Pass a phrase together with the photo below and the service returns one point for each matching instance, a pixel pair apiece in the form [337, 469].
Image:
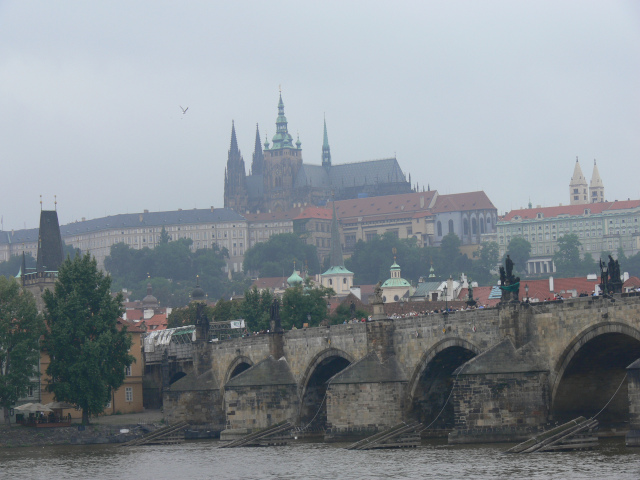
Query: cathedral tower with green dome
[282, 160]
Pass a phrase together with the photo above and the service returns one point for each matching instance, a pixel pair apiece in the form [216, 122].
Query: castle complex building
[599, 225]
[280, 180]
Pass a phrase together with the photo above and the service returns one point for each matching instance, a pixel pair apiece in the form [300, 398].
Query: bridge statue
[509, 284]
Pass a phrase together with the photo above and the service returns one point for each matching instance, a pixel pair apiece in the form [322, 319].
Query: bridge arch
[313, 387]
[176, 376]
[432, 381]
[590, 369]
[237, 366]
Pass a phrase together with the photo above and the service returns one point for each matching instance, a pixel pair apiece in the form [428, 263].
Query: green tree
[20, 330]
[277, 255]
[164, 236]
[567, 258]
[180, 317]
[519, 250]
[343, 313]
[88, 353]
[304, 305]
[11, 267]
[372, 260]
[255, 308]
[488, 257]
[588, 265]
[226, 310]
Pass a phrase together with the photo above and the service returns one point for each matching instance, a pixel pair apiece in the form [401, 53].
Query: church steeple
[282, 138]
[235, 192]
[578, 186]
[257, 165]
[326, 151]
[596, 187]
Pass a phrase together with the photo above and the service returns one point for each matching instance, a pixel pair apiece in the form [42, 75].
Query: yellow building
[127, 398]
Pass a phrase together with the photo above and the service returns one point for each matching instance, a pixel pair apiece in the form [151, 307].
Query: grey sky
[500, 96]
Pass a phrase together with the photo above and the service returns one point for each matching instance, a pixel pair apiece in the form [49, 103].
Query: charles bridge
[497, 374]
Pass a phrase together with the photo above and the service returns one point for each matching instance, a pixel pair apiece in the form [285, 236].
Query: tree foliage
[88, 353]
[171, 267]
[20, 330]
[302, 305]
[488, 257]
[180, 317]
[371, 261]
[255, 309]
[567, 258]
[276, 256]
[11, 267]
[519, 251]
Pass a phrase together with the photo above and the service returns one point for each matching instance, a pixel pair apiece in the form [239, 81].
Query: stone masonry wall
[633, 383]
[358, 409]
[256, 407]
[198, 407]
[499, 407]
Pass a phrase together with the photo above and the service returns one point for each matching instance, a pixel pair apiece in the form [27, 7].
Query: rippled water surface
[202, 460]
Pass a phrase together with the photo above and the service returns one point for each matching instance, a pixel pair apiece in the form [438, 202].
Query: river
[202, 460]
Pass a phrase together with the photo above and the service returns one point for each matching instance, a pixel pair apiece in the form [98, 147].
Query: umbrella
[59, 405]
[33, 408]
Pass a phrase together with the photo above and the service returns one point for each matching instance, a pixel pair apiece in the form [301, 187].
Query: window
[127, 371]
[128, 394]
[450, 226]
[439, 228]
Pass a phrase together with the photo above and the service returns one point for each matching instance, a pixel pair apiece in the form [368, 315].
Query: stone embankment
[104, 430]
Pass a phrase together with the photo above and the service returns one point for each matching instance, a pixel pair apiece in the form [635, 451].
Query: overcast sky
[499, 96]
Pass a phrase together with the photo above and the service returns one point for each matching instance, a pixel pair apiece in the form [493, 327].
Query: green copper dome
[294, 280]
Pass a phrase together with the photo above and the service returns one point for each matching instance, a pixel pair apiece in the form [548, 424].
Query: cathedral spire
[234, 142]
[235, 176]
[282, 138]
[326, 151]
[257, 165]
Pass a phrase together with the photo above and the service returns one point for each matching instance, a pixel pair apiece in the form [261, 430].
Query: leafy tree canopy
[11, 267]
[187, 315]
[276, 256]
[302, 305]
[567, 258]
[20, 330]
[171, 268]
[88, 353]
[519, 250]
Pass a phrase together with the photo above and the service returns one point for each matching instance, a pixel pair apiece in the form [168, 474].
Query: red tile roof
[134, 314]
[315, 212]
[270, 283]
[157, 322]
[540, 289]
[460, 202]
[632, 282]
[404, 204]
[274, 216]
[573, 210]
[132, 327]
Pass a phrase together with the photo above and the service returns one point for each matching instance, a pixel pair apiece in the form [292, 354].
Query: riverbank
[111, 429]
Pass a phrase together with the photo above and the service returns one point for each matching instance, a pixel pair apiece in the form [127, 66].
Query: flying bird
[184, 110]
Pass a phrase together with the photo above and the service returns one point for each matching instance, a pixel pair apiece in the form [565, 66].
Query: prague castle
[280, 180]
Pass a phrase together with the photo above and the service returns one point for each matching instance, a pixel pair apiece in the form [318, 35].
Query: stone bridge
[496, 374]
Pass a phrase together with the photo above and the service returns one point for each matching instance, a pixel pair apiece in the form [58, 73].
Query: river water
[202, 460]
